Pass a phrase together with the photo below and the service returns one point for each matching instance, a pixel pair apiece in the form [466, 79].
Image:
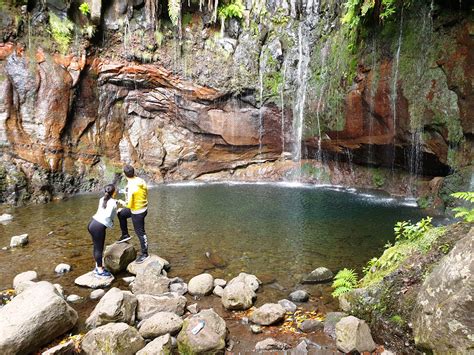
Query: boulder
[19, 240]
[62, 268]
[115, 306]
[238, 296]
[321, 274]
[97, 294]
[117, 256]
[160, 323]
[442, 316]
[353, 334]
[148, 305]
[299, 296]
[24, 280]
[250, 280]
[330, 321]
[201, 285]
[210, 339]
[160, 345]
[112, 338]
[150, 281]
[134, 268]
[311, 325]
[92, 281]
[270, 344]
[34, 318]
[268, 314]
[218, 291]
[287, 305]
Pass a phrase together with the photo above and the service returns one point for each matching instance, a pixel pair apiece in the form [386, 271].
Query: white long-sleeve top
[106, 215]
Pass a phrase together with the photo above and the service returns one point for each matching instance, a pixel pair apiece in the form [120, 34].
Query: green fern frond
[340, 291]
[174, 11]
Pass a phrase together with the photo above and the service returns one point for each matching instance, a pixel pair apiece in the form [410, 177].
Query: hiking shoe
[103, 273]
[141, 258]
[124, 238]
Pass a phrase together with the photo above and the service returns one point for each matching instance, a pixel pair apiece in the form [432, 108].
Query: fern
[465, 213]
[174, 11]
[344, 281]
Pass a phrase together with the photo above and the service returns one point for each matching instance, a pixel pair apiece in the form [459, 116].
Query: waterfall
[282, 101]
[373, 92]
[261, 130]
[298, 120]
[394, 94]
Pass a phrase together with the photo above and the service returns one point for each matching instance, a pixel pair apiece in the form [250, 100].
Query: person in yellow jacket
[134, 207]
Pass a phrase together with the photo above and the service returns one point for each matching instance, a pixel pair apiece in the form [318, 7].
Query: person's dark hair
[108, 193]
[129, 171]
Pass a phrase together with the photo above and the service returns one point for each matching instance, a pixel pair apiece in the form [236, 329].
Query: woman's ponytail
[108, 193]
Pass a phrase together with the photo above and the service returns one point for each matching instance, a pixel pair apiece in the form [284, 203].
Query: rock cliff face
[280, 83]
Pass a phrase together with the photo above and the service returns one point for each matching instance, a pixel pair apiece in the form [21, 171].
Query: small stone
[270, 344]
[5, 218]
[73, 298]
[311, 325]
[193, 308]
[97, 294]
[256, 329]
[128, 279]
[62, 268]
[287, 305]
[5, 248]
[268, 314]
[218, 291]
[180, 288]
[220, 282]
[299, 296]
[19, 240]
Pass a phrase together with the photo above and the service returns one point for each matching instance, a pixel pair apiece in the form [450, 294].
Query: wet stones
[5, 217]
[19, 240]
[62, 268]
[287, 305]
[299, 296]
[112, 338]
[321, 274]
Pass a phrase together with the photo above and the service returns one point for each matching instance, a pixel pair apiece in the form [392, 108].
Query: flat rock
[148, 305]
[353, 334]
[311, 325]
[112, 338]
[117, 256]
[270, 344]
[269, 313]
[92, 281]
[62, 268]
[134, 268]
[160, 323]
[19, 240]
[321, 274]
[201, 285]
[97, 294]
[299, 296]
[5, 217]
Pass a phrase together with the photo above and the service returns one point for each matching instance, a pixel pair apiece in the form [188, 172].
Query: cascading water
[373, 89]
[282, 101]
[394, 93]
[261, 130]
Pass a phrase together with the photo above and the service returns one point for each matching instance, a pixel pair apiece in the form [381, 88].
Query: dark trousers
[97, 231]
[138, 221]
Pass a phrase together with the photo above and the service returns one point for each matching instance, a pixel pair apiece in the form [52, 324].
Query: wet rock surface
[93, 281]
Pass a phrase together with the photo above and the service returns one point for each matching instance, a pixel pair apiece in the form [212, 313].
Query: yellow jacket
[137, 194]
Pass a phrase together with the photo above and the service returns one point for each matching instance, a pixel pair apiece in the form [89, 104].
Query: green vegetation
[344, 281]
[398, 320]
[174, 11]
[464, 212]
[409, 238]
[61, 30]
[85, 9]
[233, 9]
[378, 178]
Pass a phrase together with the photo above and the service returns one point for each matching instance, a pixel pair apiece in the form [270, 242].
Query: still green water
[278, 232]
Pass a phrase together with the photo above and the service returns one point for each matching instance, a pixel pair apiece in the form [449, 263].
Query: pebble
[220, 282]
[73, 298]
[97, 294]
[256, 329]
[194, 308]
[299, 296]
[128, 279]
[62, 268]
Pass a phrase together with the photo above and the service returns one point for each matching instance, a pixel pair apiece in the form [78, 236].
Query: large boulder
[330, 321]
[112, 338]
[250, 280]
[210, 339]
[201, 285]
[135, 268]
[34, 318]
[148, 305]
[117, 256]
[91, 280]
[442, 317]
[321, 274]
[238, 296]
[353, 334]
[115, 306]
[24, 280]
[160, 323]
[160, 345]
[150, 281]
[267, 314]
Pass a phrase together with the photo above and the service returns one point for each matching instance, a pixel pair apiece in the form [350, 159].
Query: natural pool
[278, 232]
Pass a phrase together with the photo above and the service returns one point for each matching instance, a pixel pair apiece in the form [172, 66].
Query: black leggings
[97, 231]
[138, 221]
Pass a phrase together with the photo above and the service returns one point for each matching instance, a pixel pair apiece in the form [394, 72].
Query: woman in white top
[104, 218]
